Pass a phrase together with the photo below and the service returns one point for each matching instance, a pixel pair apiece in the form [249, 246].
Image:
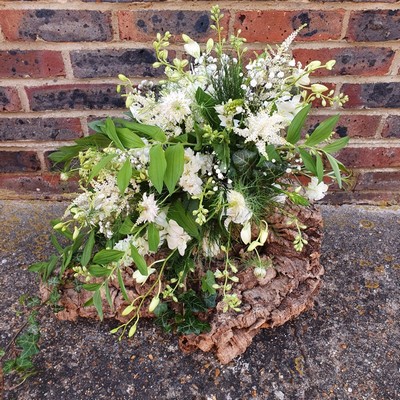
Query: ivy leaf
[192, 301]
[28, 344]
[294, 130]
[174, 156]
[164, 315]
[157, 167]
[244, 160]
[207, 104]
[124, 176]
[191, 324]
[207, 282]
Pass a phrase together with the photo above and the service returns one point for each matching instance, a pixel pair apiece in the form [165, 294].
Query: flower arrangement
[178, 193]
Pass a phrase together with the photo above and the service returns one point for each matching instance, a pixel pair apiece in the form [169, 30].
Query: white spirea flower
[148, 209]
[316, 191]
[139, 278]
[237, 210]
[177, 238]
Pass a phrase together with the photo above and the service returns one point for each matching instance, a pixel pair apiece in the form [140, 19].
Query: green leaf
[99, 271]
[124, 176]
[122, 285]
[112, 133]
[207, 282]
[108, 295]
[207, 104]
[183, 218]
[100, 165]
[107, 256]
[24, 364]
[96, 125]
[191, 324]
[9, 366]
[56, 244]
[129, 139]
[336, 145]
[153, 235]
[272, 153]
[210, 300]
[51, 265]
[140, 262]
[294, 130]
[38, 267]
[67, 257]
[91, 287]
[152, 131]
[157, 167]
[319, 166]
[297, 198]
[244, 160]
[99, 140]
[87, 251]
[126, 227]
[98, 303]
[308, 161]
[174, 156]
[322, 131]
[28, 344]
[335, 168]
[192, 301]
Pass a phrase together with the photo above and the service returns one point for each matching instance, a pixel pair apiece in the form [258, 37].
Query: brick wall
[59, 60]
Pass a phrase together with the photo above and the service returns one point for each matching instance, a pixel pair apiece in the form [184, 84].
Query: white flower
[288, 106]
[191, 183]
[316, 191]
[245, 233]
[191, 47]
[210, 248]
[237, 210]
[174, 107]
[177, 237]
[148, 209]
[139, 278]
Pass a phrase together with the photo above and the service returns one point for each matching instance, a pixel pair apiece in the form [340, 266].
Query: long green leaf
[112, 133]
[126, 227]
[129, 139]
[322, 131]
[335, 168]
[139, 261]
[152, 131]
[183, 218]
[87, 251]
[308, 161]
[99, 271]
[153, 235]
[91, 287]
[108, 295]
[294, 130]
[100, 165]
[107, 256]
[124, 176]
[157, 167]
[98, 303]
[122, 285]
[336, 145]
[174, 156]
[319, 166]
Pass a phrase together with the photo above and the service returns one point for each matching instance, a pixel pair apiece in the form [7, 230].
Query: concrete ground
[347, 347]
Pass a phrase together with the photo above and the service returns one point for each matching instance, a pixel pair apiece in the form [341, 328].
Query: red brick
[76, 97]
[354, 126]
[392, 127]
[378, 180]
[277, 25]
[370, 197]
[56, 25]
[374, 25]
[143, 25]
[373, 95]
[19, 161]
[36, 186]
[9, 99]
[40, 129]
[365, 61]
[370, 157]
[31, 64]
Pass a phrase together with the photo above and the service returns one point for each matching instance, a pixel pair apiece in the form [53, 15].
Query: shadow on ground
[347, 347]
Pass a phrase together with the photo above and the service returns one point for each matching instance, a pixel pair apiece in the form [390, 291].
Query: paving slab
[347, 347]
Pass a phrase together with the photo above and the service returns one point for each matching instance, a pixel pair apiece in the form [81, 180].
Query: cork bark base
[288, 289]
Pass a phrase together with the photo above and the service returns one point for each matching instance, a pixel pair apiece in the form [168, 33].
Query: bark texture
[288, 289]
